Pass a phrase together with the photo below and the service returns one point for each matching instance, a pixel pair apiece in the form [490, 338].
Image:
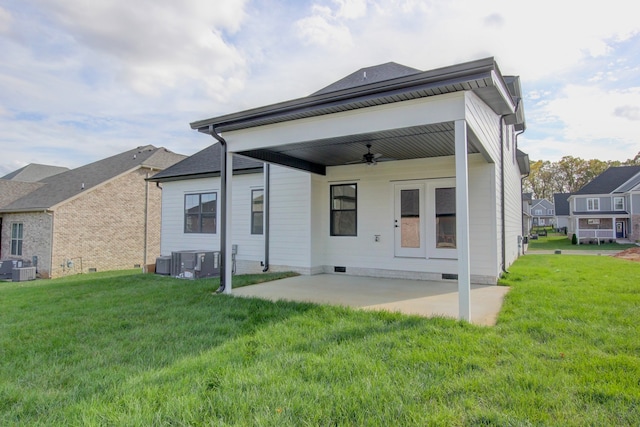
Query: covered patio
[456, 114]
[417, 297]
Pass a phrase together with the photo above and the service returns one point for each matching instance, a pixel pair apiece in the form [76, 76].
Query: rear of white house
[390, 172]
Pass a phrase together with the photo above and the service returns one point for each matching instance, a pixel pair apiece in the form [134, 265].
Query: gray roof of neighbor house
[11, 191]
[205, 163]
[63, 186]
[389, 83]
[34, 172]
[609, 180]
[561, 202]
[543, 202]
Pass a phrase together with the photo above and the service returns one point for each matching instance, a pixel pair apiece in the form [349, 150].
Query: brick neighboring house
[608, 207]
[101, 216]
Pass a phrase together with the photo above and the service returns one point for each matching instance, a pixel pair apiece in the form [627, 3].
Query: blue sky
[80, 81]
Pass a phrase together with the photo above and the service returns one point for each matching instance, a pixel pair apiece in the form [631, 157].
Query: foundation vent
[446, 276]
[337, 269]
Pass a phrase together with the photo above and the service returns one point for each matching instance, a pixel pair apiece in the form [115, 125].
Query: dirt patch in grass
[632, 254]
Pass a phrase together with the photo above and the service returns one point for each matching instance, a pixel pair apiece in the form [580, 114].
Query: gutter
[484, 69]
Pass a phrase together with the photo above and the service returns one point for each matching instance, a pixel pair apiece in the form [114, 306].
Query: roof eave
[480, 69]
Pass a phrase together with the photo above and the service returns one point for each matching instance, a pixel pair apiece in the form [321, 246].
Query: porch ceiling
[435, 140]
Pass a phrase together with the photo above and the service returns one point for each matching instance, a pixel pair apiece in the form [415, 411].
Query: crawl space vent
[337, 269]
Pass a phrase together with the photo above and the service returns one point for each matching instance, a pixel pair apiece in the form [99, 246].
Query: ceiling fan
[369, 158]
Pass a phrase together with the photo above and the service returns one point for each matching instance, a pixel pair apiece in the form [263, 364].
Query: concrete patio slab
[423, 298]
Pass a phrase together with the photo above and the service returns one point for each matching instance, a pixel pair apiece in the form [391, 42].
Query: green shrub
[574, 239]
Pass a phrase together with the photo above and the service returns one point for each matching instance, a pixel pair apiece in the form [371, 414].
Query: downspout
[524, 232]
[146, 223]
[502, 207]
[265, 207]
[223, 205]
[50, 244]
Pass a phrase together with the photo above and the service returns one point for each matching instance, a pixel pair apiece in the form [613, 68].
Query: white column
[462, 221]
[229, 236]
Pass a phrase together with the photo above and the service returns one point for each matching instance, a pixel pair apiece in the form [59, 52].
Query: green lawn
[555, 241]
[132, 349]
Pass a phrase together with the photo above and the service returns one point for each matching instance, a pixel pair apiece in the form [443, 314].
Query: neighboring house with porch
[608, 207]
[100, 216]
[527, 198]
[374, 175]
[561, 205]
[542, 213]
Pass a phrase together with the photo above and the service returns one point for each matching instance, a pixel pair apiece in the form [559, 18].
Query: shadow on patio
[424, 298]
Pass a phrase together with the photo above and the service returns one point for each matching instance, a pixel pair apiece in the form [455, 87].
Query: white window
[549, 211]
[593, 204]
[538, 212]
[16, 238]
[618, 203]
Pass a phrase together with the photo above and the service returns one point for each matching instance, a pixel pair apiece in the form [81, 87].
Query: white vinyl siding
[173, 237]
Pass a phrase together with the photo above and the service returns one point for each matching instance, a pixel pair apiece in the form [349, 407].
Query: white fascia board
[416, 112]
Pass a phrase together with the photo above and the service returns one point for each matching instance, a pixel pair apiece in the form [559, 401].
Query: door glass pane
[410, 218]
[445, 217]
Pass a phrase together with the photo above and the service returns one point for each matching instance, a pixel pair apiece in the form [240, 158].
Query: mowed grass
[132, 349]
[555, 241]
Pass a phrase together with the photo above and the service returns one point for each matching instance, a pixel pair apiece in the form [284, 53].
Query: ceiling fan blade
[353, 162]
[377, 156]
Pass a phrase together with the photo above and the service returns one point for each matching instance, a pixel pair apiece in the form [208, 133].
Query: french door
[409, 224]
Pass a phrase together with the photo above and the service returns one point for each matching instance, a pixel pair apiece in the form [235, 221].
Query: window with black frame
[200, 213]
[344, 210]
[445, 217]
[257, 211]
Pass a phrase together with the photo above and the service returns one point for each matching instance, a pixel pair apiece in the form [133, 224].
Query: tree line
[567, 175]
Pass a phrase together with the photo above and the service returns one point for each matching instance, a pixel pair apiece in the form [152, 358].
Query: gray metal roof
[608, 181]
[63, 186]
[205, 163]
[34, 172]
[481, 76]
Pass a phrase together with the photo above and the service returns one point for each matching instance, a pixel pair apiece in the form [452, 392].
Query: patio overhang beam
[285, 160]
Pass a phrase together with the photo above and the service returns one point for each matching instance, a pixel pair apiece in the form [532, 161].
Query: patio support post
[227, 250]
[462, 221]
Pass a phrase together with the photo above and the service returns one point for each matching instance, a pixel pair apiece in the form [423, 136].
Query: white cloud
[324, 29]
[96, 77]
[5, 20]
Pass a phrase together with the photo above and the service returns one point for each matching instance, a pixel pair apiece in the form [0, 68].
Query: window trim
[253, 213]
[614, 203]
[200, 214]
[17, 242]
[332, 210]
[595, 201]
